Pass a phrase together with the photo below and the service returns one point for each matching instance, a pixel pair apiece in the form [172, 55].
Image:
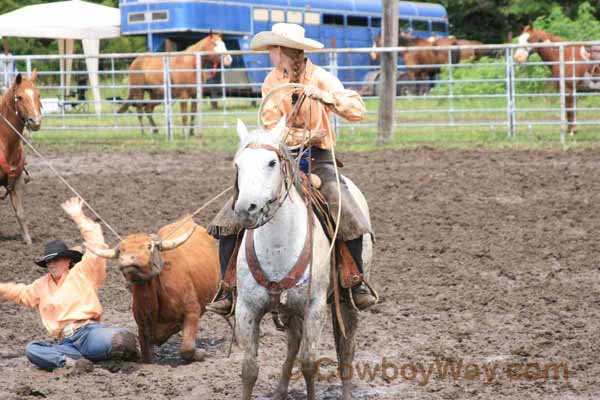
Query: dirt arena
[487, 263]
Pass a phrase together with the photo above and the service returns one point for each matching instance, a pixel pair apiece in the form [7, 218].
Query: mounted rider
[286, 44]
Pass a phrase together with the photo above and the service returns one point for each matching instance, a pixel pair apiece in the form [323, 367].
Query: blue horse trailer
[336, 23]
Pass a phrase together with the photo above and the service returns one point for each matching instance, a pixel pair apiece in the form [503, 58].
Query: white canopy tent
[67, 21]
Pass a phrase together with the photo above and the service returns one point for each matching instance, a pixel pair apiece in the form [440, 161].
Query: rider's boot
[362, 296]
[223, 302]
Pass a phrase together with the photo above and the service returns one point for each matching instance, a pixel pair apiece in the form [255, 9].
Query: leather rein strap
[275, 288]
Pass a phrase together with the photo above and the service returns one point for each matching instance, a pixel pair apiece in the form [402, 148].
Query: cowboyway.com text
[442, 370]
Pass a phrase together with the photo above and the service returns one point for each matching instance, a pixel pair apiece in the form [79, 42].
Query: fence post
[563, 110]
[510, 94]
[114, 96]
[574, 84]
[389, 64]
[167, 98]
[450, 87]
[199, 94]
[223, 93]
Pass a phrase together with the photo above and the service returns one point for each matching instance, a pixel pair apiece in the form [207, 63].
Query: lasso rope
[63, 180]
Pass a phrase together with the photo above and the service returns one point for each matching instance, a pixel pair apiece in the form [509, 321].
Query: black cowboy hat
[57, 249]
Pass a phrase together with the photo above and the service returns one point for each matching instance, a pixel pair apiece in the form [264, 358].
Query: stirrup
[222, 292]
[373, 293]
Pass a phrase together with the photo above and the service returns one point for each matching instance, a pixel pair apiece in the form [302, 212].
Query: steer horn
[105, 253]
[178, 241]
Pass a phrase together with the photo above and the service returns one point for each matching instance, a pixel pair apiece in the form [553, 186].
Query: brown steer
[172, 276]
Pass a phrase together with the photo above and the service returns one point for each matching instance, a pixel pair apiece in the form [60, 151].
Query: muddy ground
[488, 258]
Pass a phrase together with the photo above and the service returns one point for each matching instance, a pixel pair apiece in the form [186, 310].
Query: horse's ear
[279, 130]
[242, 131]
[18, 79]
[210, 33]
[33, 75]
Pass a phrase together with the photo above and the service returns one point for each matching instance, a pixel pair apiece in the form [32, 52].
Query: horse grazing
[574, 72]
[20, 107]
[279, 259]
[423, 65]
[146, 75]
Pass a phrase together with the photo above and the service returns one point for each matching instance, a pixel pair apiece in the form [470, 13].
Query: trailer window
[159, 16]
[421, 26]
[261, 14]
[403, 25]
[311, 18]
[332, 19]
[294, 17]
[277, 16]
[438, 26]
[358, 21]
[135, 18]
[376, 22]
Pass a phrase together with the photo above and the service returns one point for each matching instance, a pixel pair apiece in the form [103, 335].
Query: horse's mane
[8, 94]
[548, 36]
[198, 46]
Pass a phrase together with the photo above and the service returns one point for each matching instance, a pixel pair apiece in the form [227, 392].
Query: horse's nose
[251, 208]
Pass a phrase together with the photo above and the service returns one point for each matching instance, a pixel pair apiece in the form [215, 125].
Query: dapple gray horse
[280, 226]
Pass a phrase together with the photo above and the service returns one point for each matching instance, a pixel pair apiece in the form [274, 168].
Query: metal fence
[473, 100]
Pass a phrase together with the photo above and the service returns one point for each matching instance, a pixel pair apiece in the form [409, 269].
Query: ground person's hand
[73, 207]
[313, 92]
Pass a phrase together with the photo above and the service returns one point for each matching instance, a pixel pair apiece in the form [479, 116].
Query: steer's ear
[242, 131]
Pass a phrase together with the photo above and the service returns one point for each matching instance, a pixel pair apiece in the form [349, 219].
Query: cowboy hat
[57, 249]
[285, 35]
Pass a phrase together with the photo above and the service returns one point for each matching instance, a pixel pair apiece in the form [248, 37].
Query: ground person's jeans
[92, 341]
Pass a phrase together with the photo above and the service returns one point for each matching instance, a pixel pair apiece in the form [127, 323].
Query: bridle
[287, 180]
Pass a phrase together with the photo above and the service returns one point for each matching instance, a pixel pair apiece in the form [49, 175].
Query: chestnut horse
[20, 107]
[146, 75]
[573, 53]
[423, 65]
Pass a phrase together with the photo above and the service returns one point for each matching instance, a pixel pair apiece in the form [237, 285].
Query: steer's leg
[188, 343]
[248, 322]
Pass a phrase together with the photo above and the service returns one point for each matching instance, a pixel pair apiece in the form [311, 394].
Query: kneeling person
[67, 300]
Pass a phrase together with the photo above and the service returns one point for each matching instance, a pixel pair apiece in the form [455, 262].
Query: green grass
[91, 133]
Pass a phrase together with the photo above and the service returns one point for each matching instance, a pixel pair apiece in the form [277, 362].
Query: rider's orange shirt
[346, 103]
[74, 299]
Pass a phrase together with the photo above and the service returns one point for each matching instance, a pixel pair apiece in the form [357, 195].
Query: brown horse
[573, 53]
[146, 75]
[20, 107]
[423, 65]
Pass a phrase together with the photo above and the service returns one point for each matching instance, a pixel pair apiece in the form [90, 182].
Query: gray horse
[277, 216]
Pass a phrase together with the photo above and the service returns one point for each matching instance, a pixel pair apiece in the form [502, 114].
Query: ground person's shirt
[74, 299]
[344, 102]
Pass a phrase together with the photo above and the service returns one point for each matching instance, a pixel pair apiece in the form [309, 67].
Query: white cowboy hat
[285, 35]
